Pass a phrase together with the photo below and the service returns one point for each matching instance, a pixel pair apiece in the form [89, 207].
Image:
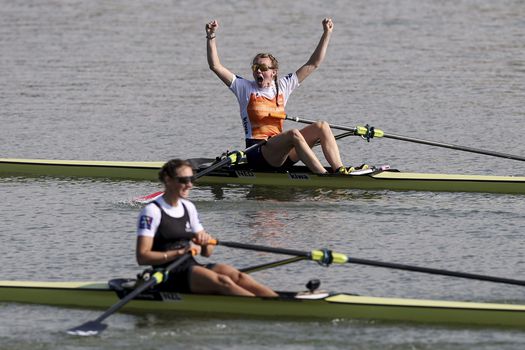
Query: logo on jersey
[145, 222]
[188, 227]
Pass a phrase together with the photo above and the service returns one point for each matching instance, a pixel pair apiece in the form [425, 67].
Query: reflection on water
[289, 194]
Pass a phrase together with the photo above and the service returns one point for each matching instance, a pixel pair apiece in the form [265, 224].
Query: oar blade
[148, 198]
[231, 158]
[88, 329]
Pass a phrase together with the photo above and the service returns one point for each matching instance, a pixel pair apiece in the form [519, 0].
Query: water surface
[129, 81]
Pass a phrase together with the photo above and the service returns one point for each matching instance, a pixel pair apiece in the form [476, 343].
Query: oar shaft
[454, 147]
[435, 271]
[420, 141]
[261, 248]
[321, 256]
[271, 265]
[333, 126]
[96, 326]
[343, 135]
[150, 283]
[338, 137]
[226, 160]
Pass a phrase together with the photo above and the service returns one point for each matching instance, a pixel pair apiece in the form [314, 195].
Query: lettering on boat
[244, 173]
[170, 296]
[297, 176]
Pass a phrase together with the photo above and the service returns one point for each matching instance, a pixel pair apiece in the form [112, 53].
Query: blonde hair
[275, 63]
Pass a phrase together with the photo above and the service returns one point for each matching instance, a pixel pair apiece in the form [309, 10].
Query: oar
[327, 257]
[96, 326]
[271, 265]
[343, 135]
[229, 159]
[338, 137]
[368, 132]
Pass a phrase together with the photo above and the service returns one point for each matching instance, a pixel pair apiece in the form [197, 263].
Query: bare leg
[321, 131]
[206, 281]
[226, 280]
[276, 150]
[244, 280]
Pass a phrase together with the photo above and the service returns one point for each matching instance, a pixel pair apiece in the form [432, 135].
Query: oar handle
[260, 248]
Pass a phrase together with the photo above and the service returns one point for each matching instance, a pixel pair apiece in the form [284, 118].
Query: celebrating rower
[169, 228]
[262, 103]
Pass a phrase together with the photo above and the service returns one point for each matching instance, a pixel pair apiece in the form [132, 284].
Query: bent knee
[225, 280]
[295, 135]
[292, 132]
[235, 278]
[239, 276]
[322, 125]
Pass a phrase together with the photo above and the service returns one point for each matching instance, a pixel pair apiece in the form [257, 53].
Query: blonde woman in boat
[262, 102]
[169, 227]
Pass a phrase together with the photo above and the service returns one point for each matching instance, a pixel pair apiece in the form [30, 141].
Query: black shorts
[256, 159]
[179, 279]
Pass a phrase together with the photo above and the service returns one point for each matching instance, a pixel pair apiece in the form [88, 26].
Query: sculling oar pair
[324, 257]
[368, 132]
[231, 158]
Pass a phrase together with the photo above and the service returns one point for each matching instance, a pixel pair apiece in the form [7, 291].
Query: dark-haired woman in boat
[169, 228]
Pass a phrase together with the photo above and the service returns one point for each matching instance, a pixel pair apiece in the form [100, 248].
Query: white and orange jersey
[262, 117]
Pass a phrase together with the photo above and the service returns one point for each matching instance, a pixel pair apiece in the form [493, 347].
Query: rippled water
[129, 81]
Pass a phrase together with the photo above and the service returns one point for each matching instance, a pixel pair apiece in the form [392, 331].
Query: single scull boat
[294, 177]
[307, 305]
